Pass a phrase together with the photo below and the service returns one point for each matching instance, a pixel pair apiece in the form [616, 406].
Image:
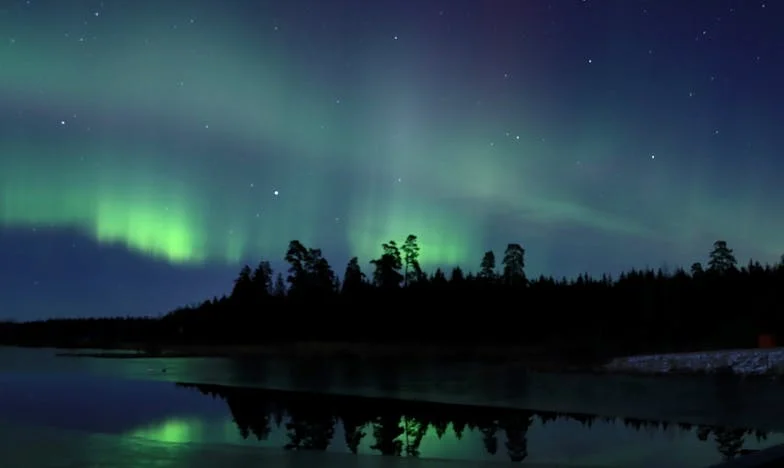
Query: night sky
[150, 148]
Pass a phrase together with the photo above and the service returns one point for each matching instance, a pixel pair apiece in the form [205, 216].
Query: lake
[82, 412]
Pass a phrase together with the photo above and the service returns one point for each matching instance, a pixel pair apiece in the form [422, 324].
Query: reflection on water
[747, 403]
[175, 430]
[306, 421]
[136, 402]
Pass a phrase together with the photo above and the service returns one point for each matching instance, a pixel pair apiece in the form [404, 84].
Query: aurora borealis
[148, 149]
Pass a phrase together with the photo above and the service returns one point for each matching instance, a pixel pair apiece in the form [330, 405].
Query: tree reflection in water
[398, 427]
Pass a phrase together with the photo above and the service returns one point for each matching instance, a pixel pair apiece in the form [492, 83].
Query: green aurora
[197, 139]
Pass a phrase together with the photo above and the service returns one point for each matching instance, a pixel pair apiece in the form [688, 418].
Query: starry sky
[148, 149]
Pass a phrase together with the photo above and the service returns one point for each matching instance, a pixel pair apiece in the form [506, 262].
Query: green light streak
[172, 431]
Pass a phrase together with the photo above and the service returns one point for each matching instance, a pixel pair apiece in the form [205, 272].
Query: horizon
[147, 152]
[282, 267]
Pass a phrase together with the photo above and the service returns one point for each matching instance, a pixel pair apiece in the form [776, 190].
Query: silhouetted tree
[354, 429]
[516, 429]
[514, 265]
[414, 431]
[297, 256]
[262, 280]
[489, 430]
[309, 272]
[279, 288]
[387, 268]
[410, 251]
[311, 430]
[722, 260]
[386, 431]
[353, 278]
[487, 267]
[324, 278]
[439, 278]
[457, 277]
[440, 425]
[729, 442]
[459, 427]
[243, 285]
[249, 415]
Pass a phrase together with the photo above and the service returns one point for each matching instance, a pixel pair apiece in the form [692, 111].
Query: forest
[717, 305]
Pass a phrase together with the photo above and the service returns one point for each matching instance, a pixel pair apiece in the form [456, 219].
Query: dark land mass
[498, 313]
[398, 427]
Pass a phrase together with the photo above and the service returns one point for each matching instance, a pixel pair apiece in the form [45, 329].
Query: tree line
[716, 305]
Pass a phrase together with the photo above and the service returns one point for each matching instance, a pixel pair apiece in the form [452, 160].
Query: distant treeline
[720, 305]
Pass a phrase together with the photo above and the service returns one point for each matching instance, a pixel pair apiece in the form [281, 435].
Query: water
[100, 412]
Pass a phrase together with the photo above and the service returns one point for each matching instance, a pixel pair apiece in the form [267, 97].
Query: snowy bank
[739, 361]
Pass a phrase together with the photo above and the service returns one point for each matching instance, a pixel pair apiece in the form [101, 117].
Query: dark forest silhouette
[720, 305]
[397, 428]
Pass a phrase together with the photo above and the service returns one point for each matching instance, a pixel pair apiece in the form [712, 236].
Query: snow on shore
[740, 361]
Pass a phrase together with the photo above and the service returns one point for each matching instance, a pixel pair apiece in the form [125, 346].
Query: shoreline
[716, 364]
[516, 356]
